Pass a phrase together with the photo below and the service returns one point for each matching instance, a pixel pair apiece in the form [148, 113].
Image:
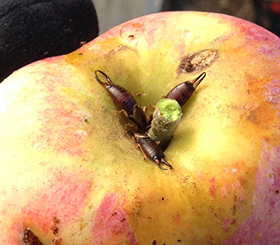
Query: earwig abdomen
[152, 150]
[125, 101]
[182, 92]
[122, 98]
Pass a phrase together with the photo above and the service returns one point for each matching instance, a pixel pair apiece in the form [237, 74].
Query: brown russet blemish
[198, 61]
[29, 238]
[54, 225]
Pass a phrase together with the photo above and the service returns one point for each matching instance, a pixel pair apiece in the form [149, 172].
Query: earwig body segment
[125, 101]
[119, 95]
[182, 92]
[151, 150]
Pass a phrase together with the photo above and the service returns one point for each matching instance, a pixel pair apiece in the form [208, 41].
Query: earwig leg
[131, 125]
[138, 146]
[144, 108]
[121, 111]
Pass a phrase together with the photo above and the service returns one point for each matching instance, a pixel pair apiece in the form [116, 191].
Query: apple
[70, 175]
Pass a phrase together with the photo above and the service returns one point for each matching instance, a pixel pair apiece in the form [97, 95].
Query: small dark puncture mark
[154, 242]
[55, 229]
[29, 238]
[198, 61]
[54, 225]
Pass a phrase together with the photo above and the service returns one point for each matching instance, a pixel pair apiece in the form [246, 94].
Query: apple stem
[166, 117]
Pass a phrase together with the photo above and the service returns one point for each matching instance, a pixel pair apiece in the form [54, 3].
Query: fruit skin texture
[66, 162]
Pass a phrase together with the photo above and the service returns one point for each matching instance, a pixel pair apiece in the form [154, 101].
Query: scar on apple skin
[54, 225]
[198, 61]
[29, 238]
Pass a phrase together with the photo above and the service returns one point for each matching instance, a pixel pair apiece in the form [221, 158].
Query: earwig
[125, 101]
[184, 91]
[151, 149]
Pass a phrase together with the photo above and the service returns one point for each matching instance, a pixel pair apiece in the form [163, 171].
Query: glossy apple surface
[70, 175]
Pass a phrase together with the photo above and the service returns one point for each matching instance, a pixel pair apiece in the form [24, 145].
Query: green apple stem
[166, 117]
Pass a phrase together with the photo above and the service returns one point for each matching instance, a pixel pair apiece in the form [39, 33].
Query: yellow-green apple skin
[71, 175]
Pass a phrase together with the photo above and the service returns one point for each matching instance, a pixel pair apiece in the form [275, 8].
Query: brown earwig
[150, 149]
[184, 91]
[125, 101]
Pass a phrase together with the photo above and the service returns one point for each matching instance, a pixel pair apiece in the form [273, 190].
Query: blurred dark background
[262, 12]
[31, 30]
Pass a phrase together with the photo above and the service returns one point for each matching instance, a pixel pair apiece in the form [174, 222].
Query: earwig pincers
[184, 91]
[125, 101]
[151, 149]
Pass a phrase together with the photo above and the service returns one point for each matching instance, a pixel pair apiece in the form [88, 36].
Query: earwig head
[162, 160]
[110, 83]
[195, 82]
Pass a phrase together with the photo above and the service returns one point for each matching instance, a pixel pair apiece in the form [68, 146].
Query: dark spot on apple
[56, 241]
[80, 54]
[131, 37]
[123, 220]
[179, 240]
[55, 230]
[162, 198]
[198, 61]
[233, 222]
[115, 213]
[85, 120]
[277, 191]
[252, 117]
[54, 225]
[154, 242]
[29, 238]
[233, 210]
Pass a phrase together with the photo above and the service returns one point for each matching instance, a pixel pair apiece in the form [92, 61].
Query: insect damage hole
[198, 61]
[29, 238]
